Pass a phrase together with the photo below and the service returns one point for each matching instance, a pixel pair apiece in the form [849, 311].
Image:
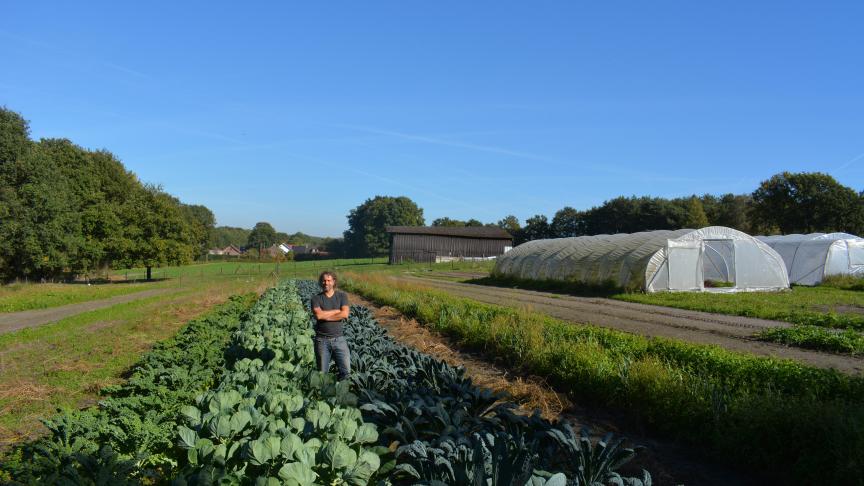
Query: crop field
[752, 412]
[234, 398]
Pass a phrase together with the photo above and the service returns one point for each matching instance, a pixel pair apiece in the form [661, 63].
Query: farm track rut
[730, 332]
[19, 320]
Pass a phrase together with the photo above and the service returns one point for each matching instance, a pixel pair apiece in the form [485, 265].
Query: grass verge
[752, 412]
[22, 297]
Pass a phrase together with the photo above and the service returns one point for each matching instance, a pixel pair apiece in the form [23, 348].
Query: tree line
[805, 202]
[66, 210]
[786, 203]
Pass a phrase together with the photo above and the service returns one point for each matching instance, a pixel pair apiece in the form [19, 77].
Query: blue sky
[295, 113]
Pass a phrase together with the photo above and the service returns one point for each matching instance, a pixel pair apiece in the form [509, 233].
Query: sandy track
[19, 320]
[731, 332]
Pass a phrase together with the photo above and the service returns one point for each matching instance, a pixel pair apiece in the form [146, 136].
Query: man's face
[329, 283]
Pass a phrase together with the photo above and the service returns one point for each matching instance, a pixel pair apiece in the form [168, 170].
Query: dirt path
[19, 320]
[668, 463]
[731, 332]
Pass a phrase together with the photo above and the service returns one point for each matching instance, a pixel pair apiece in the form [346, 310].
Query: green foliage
[367, 235]
[14, 135]
[202, 221]
[272, 415]
[222, 236]
[262, 236]
[695, 214]
[456, 222]
[567, 222]
[536, 228]
[511, 224]
[807, 202]
[846, 341]
[65, 210]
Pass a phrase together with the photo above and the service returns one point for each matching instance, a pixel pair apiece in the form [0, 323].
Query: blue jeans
[336, 347]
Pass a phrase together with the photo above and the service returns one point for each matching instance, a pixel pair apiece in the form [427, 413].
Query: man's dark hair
[324, 274]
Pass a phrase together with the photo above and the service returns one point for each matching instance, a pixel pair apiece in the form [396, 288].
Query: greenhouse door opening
[685, 269]
[718, 263]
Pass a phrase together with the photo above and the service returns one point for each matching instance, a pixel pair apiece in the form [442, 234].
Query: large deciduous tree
[807, 202]
[262, 236]
[367, 235]
[567, 222]
[65, 210]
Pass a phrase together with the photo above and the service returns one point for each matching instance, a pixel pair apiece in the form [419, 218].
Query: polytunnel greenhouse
[715, 258]
[810, 258]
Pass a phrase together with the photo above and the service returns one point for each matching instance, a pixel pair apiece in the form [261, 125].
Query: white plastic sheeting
[810, 258]
[679, 260]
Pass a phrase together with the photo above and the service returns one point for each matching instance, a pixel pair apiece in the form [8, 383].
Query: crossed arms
[331, 315]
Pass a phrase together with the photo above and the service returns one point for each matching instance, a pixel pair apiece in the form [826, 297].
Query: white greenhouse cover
[652, 260]
[810, 258]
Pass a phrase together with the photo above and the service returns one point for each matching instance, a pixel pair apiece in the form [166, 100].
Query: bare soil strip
[668, 463]
[19, 320]
[730, 332]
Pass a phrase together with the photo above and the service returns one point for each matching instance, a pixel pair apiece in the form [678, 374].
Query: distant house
[231, 250]
[278, 250]
[442, 243]
[215, 251]
[303, 249]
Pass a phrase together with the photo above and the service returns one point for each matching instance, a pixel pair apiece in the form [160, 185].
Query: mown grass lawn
[22, 297]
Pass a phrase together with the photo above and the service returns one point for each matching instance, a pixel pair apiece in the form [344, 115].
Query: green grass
[752, 412]
[845, 282]
[22, 297]
[821, 306]
[844, 341]
[813, 306]
[249, 268]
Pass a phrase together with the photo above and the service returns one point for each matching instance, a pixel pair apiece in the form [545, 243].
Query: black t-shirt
[329, 328]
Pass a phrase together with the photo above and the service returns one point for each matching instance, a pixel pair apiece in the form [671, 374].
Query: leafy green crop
[446, 430]
[128, 438]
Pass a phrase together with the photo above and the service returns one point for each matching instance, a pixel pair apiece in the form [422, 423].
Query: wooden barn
[444, 243]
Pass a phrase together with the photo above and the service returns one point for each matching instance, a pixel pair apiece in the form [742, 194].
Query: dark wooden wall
[424, 248]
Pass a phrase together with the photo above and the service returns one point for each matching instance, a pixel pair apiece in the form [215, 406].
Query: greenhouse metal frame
[812, 257]
[715, 258]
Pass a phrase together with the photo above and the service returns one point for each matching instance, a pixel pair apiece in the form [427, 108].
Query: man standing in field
[331, 309]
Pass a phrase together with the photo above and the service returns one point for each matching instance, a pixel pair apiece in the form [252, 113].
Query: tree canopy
[807, 203]
[262, 236]
[65, 210]
[367, 235]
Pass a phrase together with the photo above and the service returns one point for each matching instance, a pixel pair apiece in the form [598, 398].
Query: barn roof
[488, 232]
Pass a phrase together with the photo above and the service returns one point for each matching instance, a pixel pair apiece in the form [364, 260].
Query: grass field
[22, 297]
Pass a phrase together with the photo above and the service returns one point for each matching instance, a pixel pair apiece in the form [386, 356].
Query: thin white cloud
[449, 143]
[851, 161]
